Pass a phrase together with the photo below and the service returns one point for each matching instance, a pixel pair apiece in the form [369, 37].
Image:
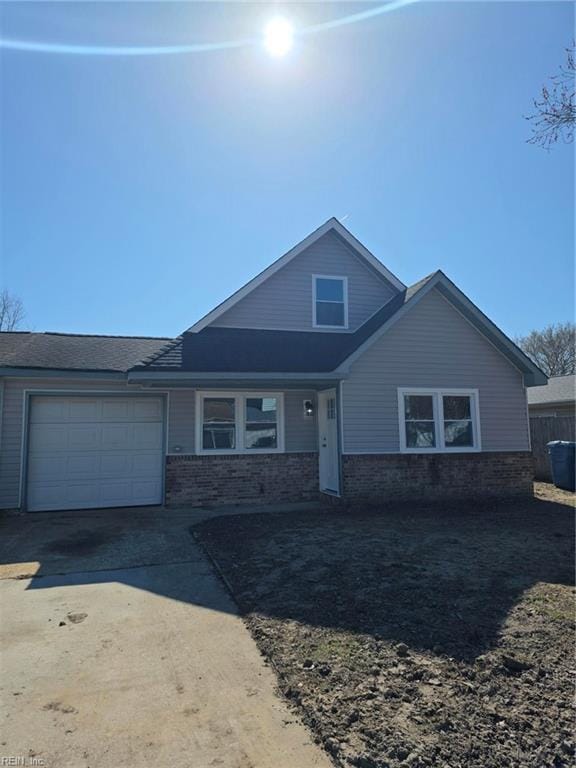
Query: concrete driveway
[120, 647]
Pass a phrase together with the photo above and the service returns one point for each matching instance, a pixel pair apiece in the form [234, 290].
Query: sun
[278, 37]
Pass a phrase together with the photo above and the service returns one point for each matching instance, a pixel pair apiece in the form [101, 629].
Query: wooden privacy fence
[543, 429]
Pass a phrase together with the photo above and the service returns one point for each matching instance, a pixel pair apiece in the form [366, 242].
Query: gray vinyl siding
[284, 301]
[181, 421]
[300, 431]
[432, 346]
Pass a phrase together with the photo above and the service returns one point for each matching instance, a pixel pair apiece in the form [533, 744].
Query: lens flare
[278, 37]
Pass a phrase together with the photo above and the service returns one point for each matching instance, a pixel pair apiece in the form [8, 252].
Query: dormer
[328, 283]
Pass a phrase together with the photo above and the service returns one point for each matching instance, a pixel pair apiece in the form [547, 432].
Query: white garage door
[89, 452]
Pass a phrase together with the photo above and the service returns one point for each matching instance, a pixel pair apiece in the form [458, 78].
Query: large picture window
[438, 420]
[330, 301]
[231, 422]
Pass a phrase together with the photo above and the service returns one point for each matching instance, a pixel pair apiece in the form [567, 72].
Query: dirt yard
[416, 636]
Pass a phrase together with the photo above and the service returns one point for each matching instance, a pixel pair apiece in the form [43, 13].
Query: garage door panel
[45, 467]
[45, 495]
[47, 409]
[145, 490]
[63, 495]
[143, 464]
[53, 437]
[94, 452]
[82, 492]
[84, 409]
[116, 465]
[148, 435]
[83, 437]
[64, 466]
[147, 410]
[117, 409]
[117, 436]
[116, 492]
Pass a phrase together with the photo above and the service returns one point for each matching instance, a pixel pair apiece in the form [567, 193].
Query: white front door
[328, 441]
[88, 452]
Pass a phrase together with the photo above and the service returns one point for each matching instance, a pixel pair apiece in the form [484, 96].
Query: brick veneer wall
[381, 477]
[242, 478]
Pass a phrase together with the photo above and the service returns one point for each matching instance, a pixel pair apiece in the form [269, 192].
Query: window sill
[239, 452]
[440, 450]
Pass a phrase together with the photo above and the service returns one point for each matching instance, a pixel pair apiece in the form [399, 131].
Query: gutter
[59, 373]
[139, 376]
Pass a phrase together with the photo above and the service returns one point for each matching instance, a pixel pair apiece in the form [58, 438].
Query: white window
[438, 420]
[330, 301]
[228, 422]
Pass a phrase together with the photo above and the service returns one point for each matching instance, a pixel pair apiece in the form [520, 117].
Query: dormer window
[330, 301]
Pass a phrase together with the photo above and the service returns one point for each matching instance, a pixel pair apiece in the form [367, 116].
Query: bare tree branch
[11, 311]
[555, 113]
[552, 349]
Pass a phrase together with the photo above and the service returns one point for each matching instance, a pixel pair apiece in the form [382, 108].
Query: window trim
[240, 422]
[344, 281]
[437, 395]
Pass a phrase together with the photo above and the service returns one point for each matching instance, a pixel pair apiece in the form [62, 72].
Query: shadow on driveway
[434, 577]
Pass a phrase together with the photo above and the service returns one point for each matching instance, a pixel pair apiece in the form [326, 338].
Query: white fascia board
[357, 246]
[330, 225]
[532, 374]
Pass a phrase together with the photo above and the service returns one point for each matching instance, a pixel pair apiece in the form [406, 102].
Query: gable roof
[216, 350]
[74, 352]
[332, 225]
[560, 389]
[439, 281]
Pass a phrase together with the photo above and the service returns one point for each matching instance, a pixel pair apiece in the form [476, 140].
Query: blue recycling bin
[563, 464]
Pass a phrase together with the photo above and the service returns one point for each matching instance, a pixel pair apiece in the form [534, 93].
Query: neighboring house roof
[332, 225]
[560, 389]
[74, 352]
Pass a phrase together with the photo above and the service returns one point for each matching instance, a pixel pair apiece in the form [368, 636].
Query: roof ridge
[96, 335]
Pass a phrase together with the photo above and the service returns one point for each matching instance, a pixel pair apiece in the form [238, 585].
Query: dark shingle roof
[75, 352]
[560, 389]
[213, 349]
[247, 350]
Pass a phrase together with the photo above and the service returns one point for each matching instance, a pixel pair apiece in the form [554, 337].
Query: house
[557, 398]
[324, 376]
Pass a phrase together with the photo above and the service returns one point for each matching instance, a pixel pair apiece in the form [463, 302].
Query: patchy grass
[416, 635]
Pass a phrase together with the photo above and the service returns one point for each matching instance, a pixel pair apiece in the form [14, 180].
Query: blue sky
[139, 192]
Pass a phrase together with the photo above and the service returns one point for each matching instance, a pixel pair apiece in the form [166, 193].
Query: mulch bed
[416, 635]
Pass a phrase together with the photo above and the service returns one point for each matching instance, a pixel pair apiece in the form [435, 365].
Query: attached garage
[88, 452]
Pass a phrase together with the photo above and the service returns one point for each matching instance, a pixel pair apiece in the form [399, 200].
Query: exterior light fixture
[308, 408]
